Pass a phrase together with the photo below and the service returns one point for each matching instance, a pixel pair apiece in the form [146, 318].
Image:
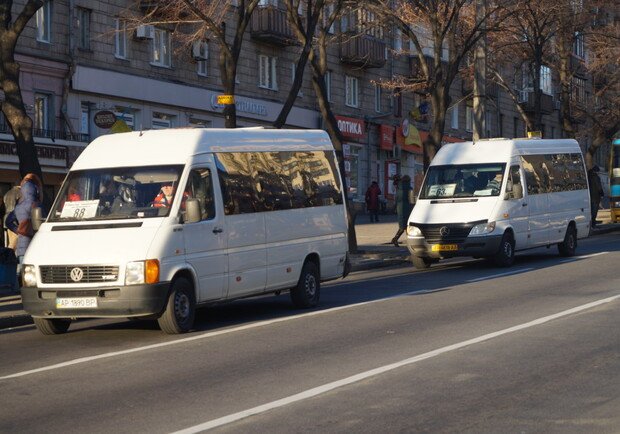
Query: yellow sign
[225, 99]
[534, 135]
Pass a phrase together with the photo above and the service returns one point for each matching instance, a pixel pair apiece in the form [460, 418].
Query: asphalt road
[463, 347]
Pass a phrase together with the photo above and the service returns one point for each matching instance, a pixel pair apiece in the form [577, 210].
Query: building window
[263, 3]
[545, 80]
[469, 119]
[44, 22]
[120, 39]
[351, 91]
[161, 121]
[85, 118]
[83, 23]
[201, 54]
[267, 72]
[398, 102]
[579, 46]
[378, 94]
[453, 115]
[199, 123]
[398, 40]
[161, 48]
[328, 85]
[42, 111]
[579, 90]
[328, 10]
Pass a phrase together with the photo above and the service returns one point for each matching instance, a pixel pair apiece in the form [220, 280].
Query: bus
[614, 181]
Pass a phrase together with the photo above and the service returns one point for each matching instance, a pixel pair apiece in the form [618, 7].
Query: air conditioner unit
[145, 32]
[197, 50]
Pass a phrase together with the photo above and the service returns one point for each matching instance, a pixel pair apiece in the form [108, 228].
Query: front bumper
[471, 246]
[118, 301]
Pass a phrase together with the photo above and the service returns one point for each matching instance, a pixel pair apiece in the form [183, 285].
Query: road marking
[575, 258]
[310, 393]
[493, 276]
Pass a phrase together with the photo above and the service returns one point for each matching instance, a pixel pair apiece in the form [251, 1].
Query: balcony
[269, 24]
[48, 134]
[526, 99]
[362, 50]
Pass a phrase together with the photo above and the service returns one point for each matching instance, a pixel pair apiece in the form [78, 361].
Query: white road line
[575, 258]
[383, 369]
[493, 276]
[197, 337]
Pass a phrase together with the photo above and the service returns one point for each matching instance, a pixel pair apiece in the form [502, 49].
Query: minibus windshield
[463, 180]
[117, 193]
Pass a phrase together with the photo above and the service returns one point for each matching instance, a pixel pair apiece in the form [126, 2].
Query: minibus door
[205, 240]
[517, 207]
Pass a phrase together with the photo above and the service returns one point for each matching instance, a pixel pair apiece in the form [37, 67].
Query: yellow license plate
[444, 247]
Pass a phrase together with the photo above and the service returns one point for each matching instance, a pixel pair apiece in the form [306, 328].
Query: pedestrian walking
[372, 201]
[403, 207]
[596, 192]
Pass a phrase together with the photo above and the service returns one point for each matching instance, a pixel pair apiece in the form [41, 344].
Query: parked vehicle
[252, 211]
[493, 197]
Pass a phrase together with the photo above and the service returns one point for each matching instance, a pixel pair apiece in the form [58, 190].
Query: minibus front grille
[78, 273]
[446, 233]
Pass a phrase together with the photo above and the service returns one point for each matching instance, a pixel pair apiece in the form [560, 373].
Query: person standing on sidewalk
[596, 192]
[10, 200]
[372, 201]
[31, 195]
[403, 208]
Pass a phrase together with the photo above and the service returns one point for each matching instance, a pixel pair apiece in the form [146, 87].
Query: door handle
[218, 230]
[524, 204]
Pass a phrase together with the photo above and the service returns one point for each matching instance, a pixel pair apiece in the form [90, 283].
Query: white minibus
[490, 198]
[152, 224]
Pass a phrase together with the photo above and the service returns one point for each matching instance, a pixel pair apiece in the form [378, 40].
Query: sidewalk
[375, 250]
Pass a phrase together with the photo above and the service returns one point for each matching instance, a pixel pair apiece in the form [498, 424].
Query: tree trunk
[14, 110]
[331, 125]
[229, 72]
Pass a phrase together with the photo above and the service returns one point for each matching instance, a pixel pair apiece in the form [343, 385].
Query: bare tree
[13, 106]
[443, 33]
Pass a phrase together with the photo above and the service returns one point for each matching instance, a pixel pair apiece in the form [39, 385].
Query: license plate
[444, 247]
[76, 303]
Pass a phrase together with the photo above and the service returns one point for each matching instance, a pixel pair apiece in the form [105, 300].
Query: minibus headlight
[29, 276]
[414, 231]
[482, 229]
[139, 272]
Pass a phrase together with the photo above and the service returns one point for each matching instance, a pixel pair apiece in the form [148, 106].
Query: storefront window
[354, 167]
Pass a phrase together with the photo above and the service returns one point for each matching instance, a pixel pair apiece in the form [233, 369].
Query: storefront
[356, 157]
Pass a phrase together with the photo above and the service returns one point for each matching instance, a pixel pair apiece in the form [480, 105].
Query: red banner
[351, 127]
[387, 137]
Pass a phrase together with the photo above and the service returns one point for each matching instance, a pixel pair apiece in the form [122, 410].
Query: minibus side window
[514, 188]
[200, 187]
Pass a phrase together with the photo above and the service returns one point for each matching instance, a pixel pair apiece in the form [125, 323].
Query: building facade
[86, 72]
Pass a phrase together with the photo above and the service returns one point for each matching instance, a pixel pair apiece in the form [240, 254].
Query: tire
[308, 290]
[49, 326]
[180, 309]
[569, 245]
[505, 256]
[421, 262]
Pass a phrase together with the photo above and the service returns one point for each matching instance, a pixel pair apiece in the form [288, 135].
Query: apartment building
[86, 72]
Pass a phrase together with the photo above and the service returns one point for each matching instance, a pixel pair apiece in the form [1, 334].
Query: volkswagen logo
[76, 274]
[444, 231]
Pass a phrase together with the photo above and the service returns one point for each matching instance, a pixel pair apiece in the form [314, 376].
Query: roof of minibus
[176, 145]
[500, 150]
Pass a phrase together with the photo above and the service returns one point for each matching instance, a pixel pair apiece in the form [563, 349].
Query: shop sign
[104, 119]
[351, 127]
[49, 155]
[387, 137]
[242, 105]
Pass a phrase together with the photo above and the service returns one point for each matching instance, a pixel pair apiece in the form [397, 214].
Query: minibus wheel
[308, 290]
[180, 309]
[49, 326]
[569, 245]
[421, 262]
[505, 256]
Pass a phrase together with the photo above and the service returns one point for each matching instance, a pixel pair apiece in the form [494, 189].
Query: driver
[164, 198]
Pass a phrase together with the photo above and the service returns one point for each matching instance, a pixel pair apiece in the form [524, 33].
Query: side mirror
[36, 216]
[192, 211]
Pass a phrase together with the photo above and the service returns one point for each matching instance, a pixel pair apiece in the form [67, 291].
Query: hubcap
[310, 285]
[181, 306]
[508, 249]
